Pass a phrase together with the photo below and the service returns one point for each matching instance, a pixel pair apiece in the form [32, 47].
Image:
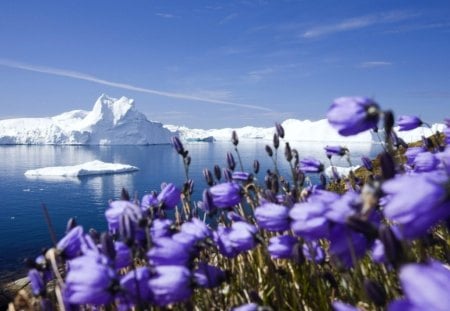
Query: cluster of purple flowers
[160, 250]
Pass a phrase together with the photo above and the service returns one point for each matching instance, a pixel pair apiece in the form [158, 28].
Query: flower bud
[234, 138]
[288, 152]
[217, 172]
[280, 129]
[269, 151]
[230, 160]
[208, 177]
[276, 141]
[256, 166]
[176, 143]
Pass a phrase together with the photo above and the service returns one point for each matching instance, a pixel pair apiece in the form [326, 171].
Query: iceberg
[111, 122]
[340, 170]
[89, 168]
[298, 131]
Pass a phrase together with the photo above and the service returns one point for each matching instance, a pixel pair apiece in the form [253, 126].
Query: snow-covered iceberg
[89, 168]
[340, 171]
[111, 122]
[298, 131]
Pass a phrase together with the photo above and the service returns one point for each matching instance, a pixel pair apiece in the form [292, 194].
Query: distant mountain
[110, 122]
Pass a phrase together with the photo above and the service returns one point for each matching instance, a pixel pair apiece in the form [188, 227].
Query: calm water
[23, 232]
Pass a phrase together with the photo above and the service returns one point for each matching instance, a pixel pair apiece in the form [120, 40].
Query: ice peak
[109, 108]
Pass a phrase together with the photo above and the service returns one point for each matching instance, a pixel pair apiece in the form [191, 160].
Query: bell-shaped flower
[161, 228]
[313, 252]
[226, 195]
[169, 196]
[272, 217]
[425, 287]
[238, 238]
[407, 123]
[411, 154]
[344, 207]
[353, 115]
[171, 284]
[90, 280]
[311, 165]
[167, 251]
[208, 276]
[70, 244]
[197, 228]
[417, 211]
[425, 162]
[118, 209]
[36, 282]
[281, 246]
[123, 255]
[346, 245]
[134, 284]
[309, 221]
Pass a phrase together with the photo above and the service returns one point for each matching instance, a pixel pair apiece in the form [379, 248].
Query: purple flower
[70, 244]
[425, 162]
[308, 220]
[241, 176]
[118, 209]
[272, 217]
[135, 285]
[425, 286]
[281, 246]
[161, 228]
[177, 145]
[208, 276]
[169, 196]
[417, 211]
[170, 285]
[90, 281]
[313, 251]
[123, 255]
[352, 115]
[335, 150]
[344, 207]
[226, 195]
[377, 252]
[311, 165]
[37, 283]
[340, 306]
[167, 251]
[247, 307]
[149, 201]
[411, 154]
[238, 238]
[196, 228]
[407, 123]
[346, 245]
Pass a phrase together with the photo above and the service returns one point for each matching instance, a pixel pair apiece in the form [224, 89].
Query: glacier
[95, 167]
[111, 122]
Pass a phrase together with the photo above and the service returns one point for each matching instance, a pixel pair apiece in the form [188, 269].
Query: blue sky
[224, 63]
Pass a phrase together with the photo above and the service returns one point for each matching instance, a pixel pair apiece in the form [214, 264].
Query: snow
[297, 131]
[117, 122]
[89, 168]
[340, 170]
[111, 122]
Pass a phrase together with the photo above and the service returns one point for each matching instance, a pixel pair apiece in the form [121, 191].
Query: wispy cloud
[93, 79]
[259, 74]
[165, 15]
[358, 23]
[374, 64]
[228, 18]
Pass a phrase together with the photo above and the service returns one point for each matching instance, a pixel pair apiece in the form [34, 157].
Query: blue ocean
[23, 229]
